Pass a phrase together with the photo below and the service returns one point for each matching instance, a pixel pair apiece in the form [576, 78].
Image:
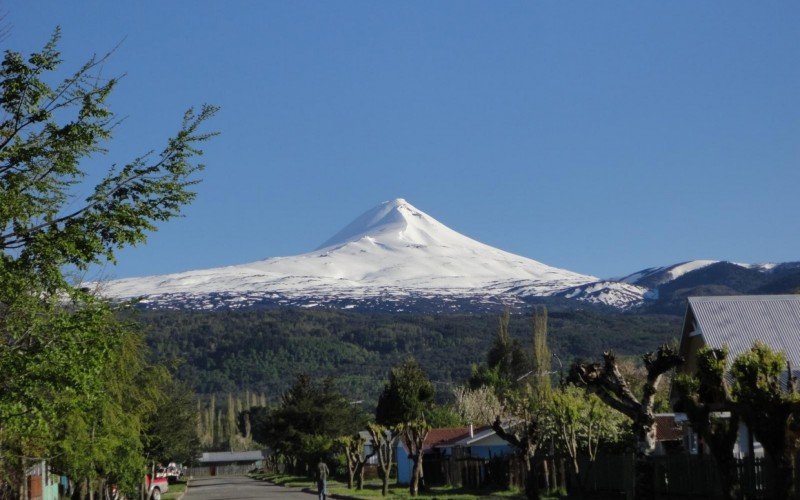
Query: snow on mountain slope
[611, 293]
[655, 276]
[392, 250]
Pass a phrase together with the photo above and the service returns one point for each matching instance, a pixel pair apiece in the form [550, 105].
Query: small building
[223, 463]
[445, 447]
[737, 322]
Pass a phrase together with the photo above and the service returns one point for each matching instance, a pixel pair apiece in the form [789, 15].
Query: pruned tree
[610, 385]
[706, 399]
[580, 423]
[356, 457]
[383, 442]
[413, 435]
[525, 431]
[765, 392]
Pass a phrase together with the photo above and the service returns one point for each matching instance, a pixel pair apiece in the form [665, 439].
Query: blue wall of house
[404, 464]
[490, 451]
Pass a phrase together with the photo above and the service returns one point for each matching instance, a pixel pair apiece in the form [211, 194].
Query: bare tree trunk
[384, 448]
[546, 470]
[610, 385]
[416, 474]
[360, 476]
[23, 484]
[531, 483]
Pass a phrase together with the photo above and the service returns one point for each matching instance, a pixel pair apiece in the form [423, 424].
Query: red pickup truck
[156, 486]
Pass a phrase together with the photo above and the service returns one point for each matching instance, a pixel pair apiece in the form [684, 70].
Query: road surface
[237, 487]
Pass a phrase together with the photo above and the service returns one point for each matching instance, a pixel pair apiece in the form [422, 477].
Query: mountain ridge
[396, 257]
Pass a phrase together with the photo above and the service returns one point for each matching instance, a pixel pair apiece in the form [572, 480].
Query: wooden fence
[673, 476]
[610, 476]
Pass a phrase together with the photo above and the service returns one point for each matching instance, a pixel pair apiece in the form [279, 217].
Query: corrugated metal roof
[738, 321]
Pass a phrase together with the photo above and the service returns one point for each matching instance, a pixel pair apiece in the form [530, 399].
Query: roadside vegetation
[578, 414]
[79, 386]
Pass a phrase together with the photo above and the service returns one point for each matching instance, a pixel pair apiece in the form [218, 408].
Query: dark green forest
[264, 350]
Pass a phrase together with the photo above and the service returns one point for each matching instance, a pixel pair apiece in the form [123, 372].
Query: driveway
[237, 487]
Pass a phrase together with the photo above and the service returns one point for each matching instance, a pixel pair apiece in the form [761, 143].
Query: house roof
[738, 321]
[464, 439]
[444, 435]
[233, 456]
[441, 436]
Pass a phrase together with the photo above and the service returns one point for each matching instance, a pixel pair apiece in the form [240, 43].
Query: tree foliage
[606, 380]
[263, 350]
[406, 397]
[477, 406]
[526, 402]
[383, 442]
[580, 422]
[765, 392]
[311, 416]
[74, 377]
[706, 399]
[506, 361]
[356, 457]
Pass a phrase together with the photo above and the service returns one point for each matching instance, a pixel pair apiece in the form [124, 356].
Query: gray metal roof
[233, 456]
[738, 321]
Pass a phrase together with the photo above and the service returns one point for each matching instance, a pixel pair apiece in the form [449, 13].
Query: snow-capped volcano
[395, 257]
[393, 252]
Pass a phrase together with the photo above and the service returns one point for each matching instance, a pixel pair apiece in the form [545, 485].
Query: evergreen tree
[406, 396]
[403, 404]
[308, 420]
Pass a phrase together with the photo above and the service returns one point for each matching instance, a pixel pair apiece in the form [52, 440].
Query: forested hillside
[263, 350]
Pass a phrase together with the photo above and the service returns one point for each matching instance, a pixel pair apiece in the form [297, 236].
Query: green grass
[175, 490]
[372, 489]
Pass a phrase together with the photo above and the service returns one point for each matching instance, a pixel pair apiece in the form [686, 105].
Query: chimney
[471, 431]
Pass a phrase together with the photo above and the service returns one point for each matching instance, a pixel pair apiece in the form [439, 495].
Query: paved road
[241, 488]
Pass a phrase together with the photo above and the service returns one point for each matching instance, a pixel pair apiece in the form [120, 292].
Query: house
[482, 442]
[219, 463]
[444, 446]
[43, 483]
[737, 322]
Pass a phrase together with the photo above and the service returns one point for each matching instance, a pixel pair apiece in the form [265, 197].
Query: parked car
[156, 487]
[174, 472]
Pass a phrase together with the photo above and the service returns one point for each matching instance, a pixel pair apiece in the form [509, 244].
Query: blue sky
[602, 137]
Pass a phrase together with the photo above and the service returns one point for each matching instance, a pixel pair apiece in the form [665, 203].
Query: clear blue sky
[602, 137]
